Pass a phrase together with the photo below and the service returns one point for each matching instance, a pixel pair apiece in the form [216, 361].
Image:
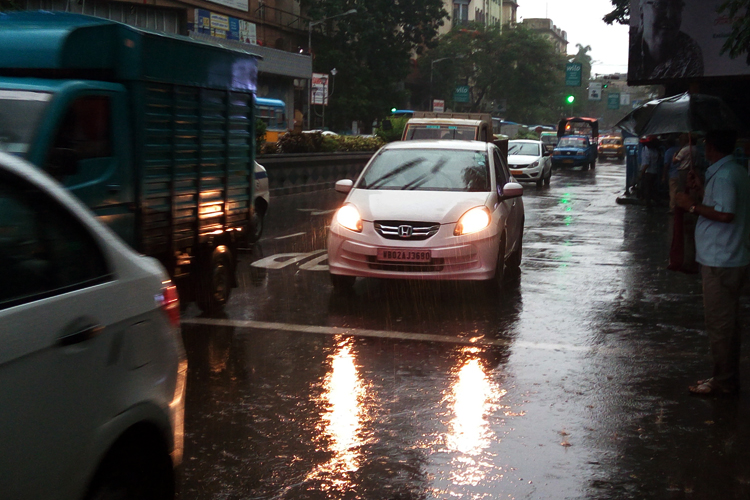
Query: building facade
[547, 28]
[487, 12]
[273, 29]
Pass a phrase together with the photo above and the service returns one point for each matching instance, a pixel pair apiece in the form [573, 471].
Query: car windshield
[428, 170]
[611, 141]
[417, 132]
[549, 139]
[573, 142]
[20, 112]
[523, 148]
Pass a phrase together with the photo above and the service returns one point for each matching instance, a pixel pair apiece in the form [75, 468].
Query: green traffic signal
[393, 110]
[570, 99]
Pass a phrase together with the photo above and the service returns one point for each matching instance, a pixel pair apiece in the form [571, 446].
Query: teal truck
[154, 132]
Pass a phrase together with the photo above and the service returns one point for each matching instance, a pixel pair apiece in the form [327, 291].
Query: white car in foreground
[433, 210]
[529, 160]
[92, 366]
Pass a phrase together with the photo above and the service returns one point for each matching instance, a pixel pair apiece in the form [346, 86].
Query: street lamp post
[309, 48]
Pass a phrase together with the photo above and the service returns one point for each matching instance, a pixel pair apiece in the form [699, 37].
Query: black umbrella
[681, 113]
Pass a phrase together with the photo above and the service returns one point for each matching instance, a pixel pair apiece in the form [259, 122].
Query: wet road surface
[572, 383]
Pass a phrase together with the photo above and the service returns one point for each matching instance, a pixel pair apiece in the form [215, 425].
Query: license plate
[568, 161]
[516, 172]
[395, 255]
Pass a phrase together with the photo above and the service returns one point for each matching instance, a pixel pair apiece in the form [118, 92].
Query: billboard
[679, 39]
[319, 88]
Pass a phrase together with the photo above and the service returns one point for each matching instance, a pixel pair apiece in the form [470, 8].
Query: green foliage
[372, 52]
[738, 42]
[260, 135]
[397, 129]
[620, 14]
[516, 65]
[315, 142]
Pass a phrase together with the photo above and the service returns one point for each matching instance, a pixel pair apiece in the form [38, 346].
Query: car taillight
[169, 302]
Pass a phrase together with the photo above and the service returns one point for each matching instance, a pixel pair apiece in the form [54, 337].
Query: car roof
[445, 121]
[439, 144]
[525, 141]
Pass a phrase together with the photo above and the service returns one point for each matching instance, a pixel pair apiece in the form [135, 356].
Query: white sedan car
[529, 161]
[92, 366]
[432, 210]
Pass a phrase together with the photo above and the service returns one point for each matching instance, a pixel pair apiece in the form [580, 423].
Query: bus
[273, 114]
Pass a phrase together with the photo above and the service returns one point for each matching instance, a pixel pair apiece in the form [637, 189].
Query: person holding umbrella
[722, 237]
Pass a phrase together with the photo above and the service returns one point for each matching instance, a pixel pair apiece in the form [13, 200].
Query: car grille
[435, 265]
[419, 230]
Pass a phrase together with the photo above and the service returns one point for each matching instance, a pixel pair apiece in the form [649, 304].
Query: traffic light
[393, 110]
[605, 85]
[570, 99]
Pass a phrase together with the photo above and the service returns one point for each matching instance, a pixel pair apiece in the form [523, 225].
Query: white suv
[92, 366]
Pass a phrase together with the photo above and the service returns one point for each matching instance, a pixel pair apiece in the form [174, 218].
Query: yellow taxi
[611, 146]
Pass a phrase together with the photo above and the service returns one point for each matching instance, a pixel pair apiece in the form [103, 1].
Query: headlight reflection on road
[474, 396]
[341, 424]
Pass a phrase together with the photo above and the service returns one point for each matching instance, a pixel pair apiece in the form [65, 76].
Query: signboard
[461, 94]
[624, 99]
[613, 100]
[692, 48]
[221, 26]
[247, 32]
[235, 4]
[438, 106]
[573, 73]
[595, 91]
[319, 88]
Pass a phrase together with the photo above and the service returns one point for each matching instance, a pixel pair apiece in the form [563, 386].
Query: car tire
[496, 282]
[342, 283]
[255, 227]
[548, 179]
[592, 165]
[514, 261]
[134, 471]
[215, 281]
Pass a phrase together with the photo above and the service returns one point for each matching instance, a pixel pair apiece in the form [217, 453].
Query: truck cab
[577, 143]
[461, 126]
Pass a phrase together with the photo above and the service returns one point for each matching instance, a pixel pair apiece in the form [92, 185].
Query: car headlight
[535, 164]
[472, 221]
[348, 216]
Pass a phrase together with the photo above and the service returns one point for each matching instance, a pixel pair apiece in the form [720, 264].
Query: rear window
[418, 132]
[574, 142]
[428, 170]
[611, 141]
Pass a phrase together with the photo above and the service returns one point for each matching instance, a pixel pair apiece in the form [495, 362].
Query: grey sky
[582, 19]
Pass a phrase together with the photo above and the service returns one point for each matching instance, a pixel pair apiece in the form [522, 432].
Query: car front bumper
[471, 257]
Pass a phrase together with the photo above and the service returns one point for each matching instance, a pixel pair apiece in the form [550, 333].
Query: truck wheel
[215, 281]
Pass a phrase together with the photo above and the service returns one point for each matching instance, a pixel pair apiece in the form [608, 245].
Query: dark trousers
[721, 303]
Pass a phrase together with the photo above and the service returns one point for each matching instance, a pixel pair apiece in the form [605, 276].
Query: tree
[517, 66]
[738, 42]
[621, 13]
[371, 50]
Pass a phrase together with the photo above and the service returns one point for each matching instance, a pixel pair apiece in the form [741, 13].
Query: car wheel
[514, 261]
[134, 471]
[215, 281]
[496, 282]
[256, 227]
[548, 179]
[342, 283]
[592, 165]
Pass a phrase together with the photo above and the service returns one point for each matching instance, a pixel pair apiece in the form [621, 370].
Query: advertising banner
[573, 73]
[679, 39]
[595, 91]
[320, 88]
[248, 33]
[438, 105]
[461, 94]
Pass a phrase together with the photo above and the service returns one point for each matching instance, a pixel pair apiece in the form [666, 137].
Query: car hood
[425, 206]
[522, 160]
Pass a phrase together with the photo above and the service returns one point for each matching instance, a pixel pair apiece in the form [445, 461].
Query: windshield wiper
[402, 168]
[424, 177]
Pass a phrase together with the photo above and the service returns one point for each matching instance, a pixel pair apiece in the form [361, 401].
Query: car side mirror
[344, 185]
[546, 152]
[62, 162]
[511, 190]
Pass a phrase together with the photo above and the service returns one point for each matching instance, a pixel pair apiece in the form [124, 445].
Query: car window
[86, 128]
[576, 142]
[523, 148]
[501, 171]
[418, 132]
[428, 170]
[44, 250]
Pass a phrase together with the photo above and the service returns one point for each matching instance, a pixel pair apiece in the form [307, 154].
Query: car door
[55, 343]
[506, 211]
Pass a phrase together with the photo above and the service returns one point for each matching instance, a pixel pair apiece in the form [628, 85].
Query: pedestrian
[722, 238]
[650, 169]
[671, 175]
